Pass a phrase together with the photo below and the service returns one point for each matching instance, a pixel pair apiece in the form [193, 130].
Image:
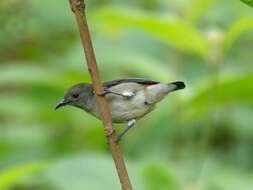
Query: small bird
[128, 99]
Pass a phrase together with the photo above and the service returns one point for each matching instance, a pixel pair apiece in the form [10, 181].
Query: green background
[200, 138]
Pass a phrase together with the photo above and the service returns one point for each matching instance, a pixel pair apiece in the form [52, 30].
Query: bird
[128, 99]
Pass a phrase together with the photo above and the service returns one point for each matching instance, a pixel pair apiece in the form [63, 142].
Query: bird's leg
[130, 124]
[126, 94]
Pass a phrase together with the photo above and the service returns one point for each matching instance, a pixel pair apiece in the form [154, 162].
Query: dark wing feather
[134, 80]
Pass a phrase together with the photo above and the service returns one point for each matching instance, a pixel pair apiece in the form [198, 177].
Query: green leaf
[169, 30]
[158, 177]
[27, 74]
[226, 178]
[80, 172]
[236, 30]
[10, 176]
[229, 90]
[197, 9]
[248, 2]
[147, 65]
[33, 74]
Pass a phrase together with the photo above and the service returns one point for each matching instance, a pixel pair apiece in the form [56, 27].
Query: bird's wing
[134, 80]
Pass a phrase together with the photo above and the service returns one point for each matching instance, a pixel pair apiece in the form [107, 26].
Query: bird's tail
[158, 91]
[178, 85]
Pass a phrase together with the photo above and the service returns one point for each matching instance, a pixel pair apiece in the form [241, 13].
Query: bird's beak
[63, 102]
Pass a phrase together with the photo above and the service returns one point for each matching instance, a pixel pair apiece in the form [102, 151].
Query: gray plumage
[145, 94]
[128, 99]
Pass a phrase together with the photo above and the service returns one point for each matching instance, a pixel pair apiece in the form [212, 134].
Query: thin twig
[78, 7]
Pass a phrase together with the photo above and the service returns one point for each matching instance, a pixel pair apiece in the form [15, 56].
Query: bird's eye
[75, 95]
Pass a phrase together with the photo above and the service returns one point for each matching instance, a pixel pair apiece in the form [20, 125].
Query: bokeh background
[200, 138]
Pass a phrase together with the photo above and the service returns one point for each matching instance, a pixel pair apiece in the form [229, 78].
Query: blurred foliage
[9, 177]
[248, 2]
[166, 29]
[199, 138]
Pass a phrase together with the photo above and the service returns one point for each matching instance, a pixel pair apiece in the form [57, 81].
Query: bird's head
[77, 96]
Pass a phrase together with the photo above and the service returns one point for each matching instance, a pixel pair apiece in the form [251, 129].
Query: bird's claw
[103, 93]
[118, 139]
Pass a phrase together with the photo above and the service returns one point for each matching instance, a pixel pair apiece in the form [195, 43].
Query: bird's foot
[130, 124]
[118, 138]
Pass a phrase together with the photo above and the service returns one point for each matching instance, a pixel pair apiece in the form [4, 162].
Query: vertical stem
[214, 61]
[78, 7]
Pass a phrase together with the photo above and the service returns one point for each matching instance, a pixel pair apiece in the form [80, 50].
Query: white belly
[124, 109]
[144, 99]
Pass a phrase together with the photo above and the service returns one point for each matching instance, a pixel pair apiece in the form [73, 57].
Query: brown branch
[78, 7]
